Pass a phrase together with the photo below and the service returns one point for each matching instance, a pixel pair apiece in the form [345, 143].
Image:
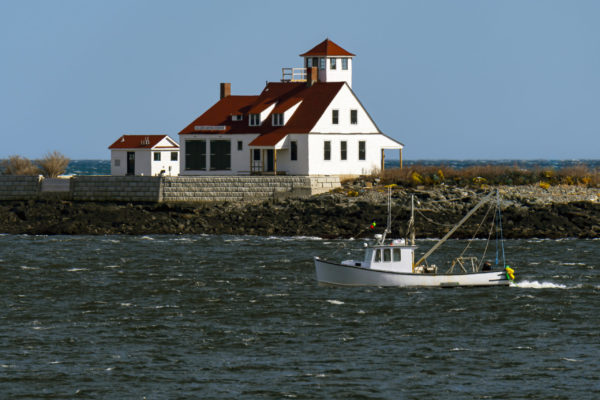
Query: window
[362, 150]
[174, 156]
[321, 63]
[327, 150]
[237, 117]
[343, 150]
[195, 155]
[157, 156]
[353, 117]
[309, 63]
[335, 117]
[344, 63]
[387, 255]
[277, 119]
[256, 156]
[254, 119]
[240, 145]
[332, 63]
[294, 150]
[378, 255]
[396, 254]
[117, 162]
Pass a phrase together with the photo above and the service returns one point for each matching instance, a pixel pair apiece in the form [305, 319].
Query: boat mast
[458, 225]
[388, 228]
[412, 220]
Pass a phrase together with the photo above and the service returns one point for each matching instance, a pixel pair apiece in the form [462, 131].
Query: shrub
[17, 165]
[53, 164]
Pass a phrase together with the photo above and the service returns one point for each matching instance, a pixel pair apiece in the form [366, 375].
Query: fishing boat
[392, 262]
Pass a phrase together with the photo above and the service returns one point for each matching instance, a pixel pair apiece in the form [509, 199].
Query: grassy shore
[476, 176]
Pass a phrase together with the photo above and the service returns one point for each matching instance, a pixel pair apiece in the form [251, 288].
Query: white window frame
[356, 121]
[335, 121]
[156, 156]
[254, 120]
[277, 119]
[345, 64]
[333, 63]
[237, 117]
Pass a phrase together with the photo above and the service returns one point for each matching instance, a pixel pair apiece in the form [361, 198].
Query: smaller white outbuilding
[149, 155]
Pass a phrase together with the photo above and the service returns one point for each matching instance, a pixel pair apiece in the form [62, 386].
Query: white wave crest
[538, 285]
[336, 302]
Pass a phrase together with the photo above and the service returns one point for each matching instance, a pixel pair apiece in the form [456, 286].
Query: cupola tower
[334, 63]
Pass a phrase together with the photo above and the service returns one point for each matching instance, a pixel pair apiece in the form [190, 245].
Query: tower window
[321, 63]
[309, 63]
[344, 63]
[332, 63]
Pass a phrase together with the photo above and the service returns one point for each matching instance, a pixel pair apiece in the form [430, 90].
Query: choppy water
[166, 317]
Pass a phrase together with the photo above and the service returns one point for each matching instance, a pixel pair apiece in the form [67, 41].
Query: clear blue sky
[449, 79]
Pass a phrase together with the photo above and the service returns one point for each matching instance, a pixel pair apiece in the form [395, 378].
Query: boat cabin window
[396, 254]
[387, 255]
[378, 255]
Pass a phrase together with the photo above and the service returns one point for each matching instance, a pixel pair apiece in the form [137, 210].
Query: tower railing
[294, 74]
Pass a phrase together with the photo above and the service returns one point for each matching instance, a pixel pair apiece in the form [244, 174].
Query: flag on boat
[373, 225]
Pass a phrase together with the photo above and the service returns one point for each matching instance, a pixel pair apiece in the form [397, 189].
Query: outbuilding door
[130, 163]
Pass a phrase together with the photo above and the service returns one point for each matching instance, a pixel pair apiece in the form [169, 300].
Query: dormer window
[237, 117]
[254, 119]
[277, 119]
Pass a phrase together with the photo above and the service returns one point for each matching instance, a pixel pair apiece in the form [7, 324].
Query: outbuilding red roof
[140, 142]
[327, 48]
[315, 100]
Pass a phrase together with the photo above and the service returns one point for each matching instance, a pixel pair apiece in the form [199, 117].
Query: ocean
[102, 167]
[201, 316]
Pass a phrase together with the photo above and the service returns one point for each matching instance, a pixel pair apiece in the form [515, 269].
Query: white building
[149, 155]
[310, 123]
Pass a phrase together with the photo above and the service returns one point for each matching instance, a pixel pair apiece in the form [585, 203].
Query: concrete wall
[116, 188]
[19, 187]
[165, 189]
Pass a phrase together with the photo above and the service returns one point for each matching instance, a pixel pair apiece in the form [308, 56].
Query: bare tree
[53, 164]
[17, 165]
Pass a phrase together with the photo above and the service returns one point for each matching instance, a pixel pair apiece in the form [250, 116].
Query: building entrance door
[270, 161]
[130, 163]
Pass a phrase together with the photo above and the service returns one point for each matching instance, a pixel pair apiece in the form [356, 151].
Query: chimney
[225, 89]
[312, 76]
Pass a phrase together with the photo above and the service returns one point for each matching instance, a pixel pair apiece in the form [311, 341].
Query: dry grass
[17, 165]
[420, 175]
[53, 164]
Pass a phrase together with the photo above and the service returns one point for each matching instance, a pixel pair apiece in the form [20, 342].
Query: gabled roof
[315, 100]
[142, 142]
[327, 48]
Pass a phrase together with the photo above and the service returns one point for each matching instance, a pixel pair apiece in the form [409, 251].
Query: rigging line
[501, 235]
[487, 243]
[432, 221]
[477, 230]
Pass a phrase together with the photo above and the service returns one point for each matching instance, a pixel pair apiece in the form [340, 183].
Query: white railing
[293, 74]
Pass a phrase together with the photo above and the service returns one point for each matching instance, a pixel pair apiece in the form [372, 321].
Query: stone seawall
[19, 187]
[166, 189]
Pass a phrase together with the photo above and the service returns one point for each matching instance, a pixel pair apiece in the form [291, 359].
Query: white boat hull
[329, 273]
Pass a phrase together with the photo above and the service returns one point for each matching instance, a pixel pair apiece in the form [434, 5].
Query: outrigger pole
[458, 225]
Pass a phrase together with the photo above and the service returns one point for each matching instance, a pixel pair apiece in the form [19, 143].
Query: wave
[541, 285]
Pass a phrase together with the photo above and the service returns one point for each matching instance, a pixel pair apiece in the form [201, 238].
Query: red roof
[327, 48]
[140, 142]
[268, 139]
[315, 100]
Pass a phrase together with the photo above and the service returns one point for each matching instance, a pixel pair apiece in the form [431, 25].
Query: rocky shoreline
[528, 211]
